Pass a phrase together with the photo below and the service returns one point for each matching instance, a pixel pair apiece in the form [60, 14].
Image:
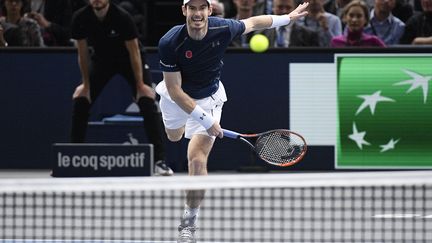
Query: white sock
[190, 215]
[190, 212]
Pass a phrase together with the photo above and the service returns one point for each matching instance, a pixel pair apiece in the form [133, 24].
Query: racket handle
[230, 134]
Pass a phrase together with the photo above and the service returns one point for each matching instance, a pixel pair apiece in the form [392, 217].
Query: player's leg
[199, 149]
[175, 135]
[174, 119]
[99, 75]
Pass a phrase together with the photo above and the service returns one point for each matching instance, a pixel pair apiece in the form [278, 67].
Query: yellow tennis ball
[259, 43]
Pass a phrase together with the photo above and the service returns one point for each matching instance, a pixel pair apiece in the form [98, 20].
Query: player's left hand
[299, 12]
[145, 90]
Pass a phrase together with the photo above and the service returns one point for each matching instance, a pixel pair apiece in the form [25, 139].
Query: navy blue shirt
[199, 61]
[107, 37]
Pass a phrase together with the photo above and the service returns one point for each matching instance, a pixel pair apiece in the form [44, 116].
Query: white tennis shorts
[174, 117]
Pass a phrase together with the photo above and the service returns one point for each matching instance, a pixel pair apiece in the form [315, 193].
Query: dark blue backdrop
[37, 85]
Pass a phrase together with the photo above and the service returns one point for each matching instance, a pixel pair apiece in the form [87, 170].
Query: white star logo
[417, 81]
[390, 145]
[358, 137]
[371, 101]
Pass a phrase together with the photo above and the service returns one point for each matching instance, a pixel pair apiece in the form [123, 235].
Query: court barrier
[293, 88]
[95, 160]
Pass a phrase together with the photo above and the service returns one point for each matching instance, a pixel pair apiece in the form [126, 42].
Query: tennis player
[192, 94]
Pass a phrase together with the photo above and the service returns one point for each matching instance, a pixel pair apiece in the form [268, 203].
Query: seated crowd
[330, 23]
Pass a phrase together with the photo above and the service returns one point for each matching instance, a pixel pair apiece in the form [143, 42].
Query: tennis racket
[279, 147]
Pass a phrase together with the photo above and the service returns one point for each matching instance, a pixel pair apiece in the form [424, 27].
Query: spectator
[326, 24]
[244, 10]
[356, 16]
[383, 24]
[17, 29]
[53, 16]
[137, 9]
[293, 34]
[229, 8]
[263, 7]
[403, 10]
[418, 29]
[223, 8]
[77, 4]
[336, 7]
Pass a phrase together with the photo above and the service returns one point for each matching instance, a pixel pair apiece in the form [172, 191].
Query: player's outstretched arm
[273, 21]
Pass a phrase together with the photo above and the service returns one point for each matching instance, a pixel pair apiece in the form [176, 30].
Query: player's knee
[197, 166]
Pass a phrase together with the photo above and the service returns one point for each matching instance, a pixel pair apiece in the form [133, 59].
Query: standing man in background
[192, 95]
[114, 38]
[384, 24]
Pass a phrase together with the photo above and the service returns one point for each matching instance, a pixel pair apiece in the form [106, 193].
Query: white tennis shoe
[187, 235]
[187, 230]
[161, 168]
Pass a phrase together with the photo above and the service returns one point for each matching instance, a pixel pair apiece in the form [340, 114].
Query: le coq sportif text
[97, 162]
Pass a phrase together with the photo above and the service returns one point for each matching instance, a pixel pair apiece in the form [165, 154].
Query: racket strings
[279, 147]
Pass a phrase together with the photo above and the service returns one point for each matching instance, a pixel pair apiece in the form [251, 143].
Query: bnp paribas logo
[384, 111]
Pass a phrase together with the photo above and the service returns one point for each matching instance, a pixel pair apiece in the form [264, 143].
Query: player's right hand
[82, 91]
[215, 130]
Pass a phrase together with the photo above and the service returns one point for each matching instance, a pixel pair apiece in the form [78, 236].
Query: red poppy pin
[188, 54]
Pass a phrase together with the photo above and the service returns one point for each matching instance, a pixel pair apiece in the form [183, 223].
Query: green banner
[384, 111]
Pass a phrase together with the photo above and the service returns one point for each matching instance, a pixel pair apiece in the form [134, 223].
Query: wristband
[202, 117]
[279, 20]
